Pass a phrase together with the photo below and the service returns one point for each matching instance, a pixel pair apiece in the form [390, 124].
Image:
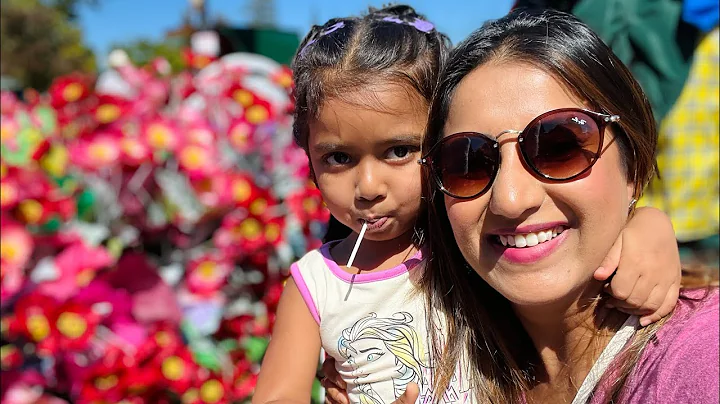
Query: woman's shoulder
[693, 326]
[681, 362]
[696, 309]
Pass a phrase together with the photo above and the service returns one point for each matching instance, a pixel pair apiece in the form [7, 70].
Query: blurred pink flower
[207, 274]
[16, 247]
[77, 265]
[101, 151]
[152, 299]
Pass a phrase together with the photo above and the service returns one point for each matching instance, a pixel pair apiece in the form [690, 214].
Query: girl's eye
[399, 152]
[337, 158]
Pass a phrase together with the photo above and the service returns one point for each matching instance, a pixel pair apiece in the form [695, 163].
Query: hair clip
[419, 24]
[328, 30]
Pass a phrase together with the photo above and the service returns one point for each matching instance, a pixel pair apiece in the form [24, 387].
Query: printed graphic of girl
[383, 343]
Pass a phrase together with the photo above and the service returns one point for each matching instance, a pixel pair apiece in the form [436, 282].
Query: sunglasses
[559, 145]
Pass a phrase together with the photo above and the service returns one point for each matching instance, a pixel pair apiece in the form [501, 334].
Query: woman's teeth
[530, 239]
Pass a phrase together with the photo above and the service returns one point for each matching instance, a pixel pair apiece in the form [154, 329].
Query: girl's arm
[291, 360]
[645, 261]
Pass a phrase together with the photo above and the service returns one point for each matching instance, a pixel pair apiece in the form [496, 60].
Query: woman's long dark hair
[481, 325]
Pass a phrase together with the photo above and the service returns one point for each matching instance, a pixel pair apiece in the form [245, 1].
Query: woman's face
[586, 213]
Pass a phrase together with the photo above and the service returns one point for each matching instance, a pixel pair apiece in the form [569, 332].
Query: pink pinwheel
[9, 103]
[212, 191]
[199, 132]
[34, 320]
[9, 128]
[134, 151]
[240, 234]
[110, 108]
[9, 193]
[197, 160]
[75, 326]
[178, 370]
[243, 190]
[207, 274]
[307, 205]
[162, 136]
[101, 151]
[68, 89]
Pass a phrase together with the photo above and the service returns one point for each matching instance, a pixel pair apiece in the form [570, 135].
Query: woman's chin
[527, 290]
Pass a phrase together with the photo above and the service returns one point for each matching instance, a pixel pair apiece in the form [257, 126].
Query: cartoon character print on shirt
[374, 342]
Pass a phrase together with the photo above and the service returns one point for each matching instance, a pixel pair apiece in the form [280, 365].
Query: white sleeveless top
[378, 335]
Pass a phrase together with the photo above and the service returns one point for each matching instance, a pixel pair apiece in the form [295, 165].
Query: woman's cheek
[464, 219]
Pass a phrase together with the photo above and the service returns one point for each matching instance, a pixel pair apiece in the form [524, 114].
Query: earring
[632, 203]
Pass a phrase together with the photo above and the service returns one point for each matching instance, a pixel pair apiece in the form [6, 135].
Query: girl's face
[587, 213]
[365, 159]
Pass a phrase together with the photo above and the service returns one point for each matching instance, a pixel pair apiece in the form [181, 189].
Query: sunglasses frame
[602, 120]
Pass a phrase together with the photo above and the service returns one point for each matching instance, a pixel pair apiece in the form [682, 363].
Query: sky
[120, 21]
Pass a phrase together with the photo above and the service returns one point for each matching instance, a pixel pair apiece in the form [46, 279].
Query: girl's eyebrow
[402, 139]
[327, 147]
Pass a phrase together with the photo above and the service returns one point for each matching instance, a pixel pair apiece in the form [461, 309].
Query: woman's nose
[516, 191]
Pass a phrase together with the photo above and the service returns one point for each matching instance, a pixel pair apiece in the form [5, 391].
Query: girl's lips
[376, 224]
[528, 255]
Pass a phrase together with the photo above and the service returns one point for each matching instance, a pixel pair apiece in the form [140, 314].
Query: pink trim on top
[367, 277]
[304, 291]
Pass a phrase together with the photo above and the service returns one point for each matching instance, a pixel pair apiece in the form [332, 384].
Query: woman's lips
[529, 248]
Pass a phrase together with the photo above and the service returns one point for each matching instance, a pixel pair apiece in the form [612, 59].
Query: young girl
[363, 86]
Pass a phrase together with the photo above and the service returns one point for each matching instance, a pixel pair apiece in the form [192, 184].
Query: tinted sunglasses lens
[466, 164]
[562, 145]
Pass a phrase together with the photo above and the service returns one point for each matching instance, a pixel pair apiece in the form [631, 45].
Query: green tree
[69, 8]
[39, 43]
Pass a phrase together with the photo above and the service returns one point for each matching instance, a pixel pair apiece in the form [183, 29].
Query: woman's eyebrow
[370, 349]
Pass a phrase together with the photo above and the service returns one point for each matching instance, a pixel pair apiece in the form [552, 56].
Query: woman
[533, 211]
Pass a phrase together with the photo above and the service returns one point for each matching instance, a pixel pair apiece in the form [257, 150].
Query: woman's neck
[373, 256]
[569, 335]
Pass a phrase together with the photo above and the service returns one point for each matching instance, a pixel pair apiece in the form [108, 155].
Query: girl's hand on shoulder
[643, 267]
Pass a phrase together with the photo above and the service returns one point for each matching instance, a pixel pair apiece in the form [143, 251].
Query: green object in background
[317, 392]
[650, 38]
[51, 226]
[204, 351]
[47, 118]
[279, 46]
[255, 348]
[84, 203]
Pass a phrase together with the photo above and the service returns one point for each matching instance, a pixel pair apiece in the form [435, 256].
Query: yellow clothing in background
[688, 155]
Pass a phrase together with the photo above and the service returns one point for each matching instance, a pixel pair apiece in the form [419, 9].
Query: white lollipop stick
[357, 245]
[352, 256]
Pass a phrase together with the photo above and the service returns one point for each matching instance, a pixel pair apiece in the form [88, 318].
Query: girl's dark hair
[392, 45]
[481, 325]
